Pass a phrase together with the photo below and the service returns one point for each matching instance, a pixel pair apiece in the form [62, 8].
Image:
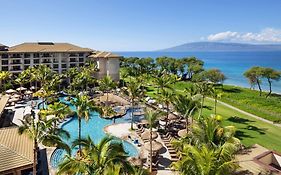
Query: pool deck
[123, 130]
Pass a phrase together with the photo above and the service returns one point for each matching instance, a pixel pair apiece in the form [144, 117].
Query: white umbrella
[28, 92]
[10, 91]
[146, 135]
[182, 133]
[13, 100]
[21, 89]
[156, 146]
[16, 96]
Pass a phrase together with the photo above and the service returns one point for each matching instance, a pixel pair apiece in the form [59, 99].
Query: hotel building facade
[58, 56]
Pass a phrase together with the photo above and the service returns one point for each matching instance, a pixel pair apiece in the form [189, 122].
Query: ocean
[232, 64]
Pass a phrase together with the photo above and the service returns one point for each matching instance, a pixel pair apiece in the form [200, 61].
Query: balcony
[15, 69]
[15, 56]
[72, 60]
[16, 62]
[46, 61]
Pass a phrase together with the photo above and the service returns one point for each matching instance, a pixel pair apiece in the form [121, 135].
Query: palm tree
[186, 106]
[106, 84]
[151, 117]
[83, 107]
[44, 74]
[135, 92]
[165, 97]
[60, 110]
[164, 82]
[5, 76]
[206, 161]
[40, 132]
[204, 89]
[216, 93]
[21, 80]
[210, 131]
[97, 158]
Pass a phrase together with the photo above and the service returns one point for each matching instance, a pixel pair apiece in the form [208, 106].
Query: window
[26, 67]
[46, 55]
[5, 55]
[36, 61]
[16, 55]
[81, 59]
[5, 68]
[72, 65]
[26, 55]
[36, 55]
[55, 60]
[55, 66]
[63, 65]
[81, 54]
[26, 61]
[5, 62]
[16, 62]
[72, 55]
[72, 60]
[16, 68]
[81, 64]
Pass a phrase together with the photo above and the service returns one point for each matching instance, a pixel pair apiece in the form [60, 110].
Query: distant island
[221, 47]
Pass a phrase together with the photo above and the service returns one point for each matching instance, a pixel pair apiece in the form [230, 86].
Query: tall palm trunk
[79, 135]
[202, 104]
[35, 150]
[132, 114]
[270, 88]
[106, 97]
[167, 115]
[216, 101]
[150, 151]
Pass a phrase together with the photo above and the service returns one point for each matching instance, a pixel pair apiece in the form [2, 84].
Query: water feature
[94, 129]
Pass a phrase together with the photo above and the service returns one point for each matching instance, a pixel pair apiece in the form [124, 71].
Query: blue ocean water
[232, 64]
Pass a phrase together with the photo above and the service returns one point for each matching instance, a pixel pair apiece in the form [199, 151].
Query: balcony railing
[16, 62]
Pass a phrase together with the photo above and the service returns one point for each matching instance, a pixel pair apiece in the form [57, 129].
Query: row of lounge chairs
[167, 138]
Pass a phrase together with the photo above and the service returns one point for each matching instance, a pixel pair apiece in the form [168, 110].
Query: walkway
[246, 113]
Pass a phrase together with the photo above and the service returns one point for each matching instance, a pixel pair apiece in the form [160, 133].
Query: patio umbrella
[16, 96]
[136, 161]
[10, 91]
[144, 122]
[13, 100]
[172, 117]
[182, 133]
[28, 92]
[156, 146]
[146, 135]
[21, 89]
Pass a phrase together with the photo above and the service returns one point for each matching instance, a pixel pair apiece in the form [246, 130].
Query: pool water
[93, 128]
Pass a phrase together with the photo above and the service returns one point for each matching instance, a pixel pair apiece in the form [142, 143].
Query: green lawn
[250, 101]
[249, 130]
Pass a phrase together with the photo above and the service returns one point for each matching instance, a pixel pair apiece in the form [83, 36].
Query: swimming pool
[94, 129]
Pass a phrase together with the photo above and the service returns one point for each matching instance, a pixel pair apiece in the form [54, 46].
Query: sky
[139, 25]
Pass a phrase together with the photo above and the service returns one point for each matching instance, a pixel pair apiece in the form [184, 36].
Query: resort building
[16, 152]
[58, 56]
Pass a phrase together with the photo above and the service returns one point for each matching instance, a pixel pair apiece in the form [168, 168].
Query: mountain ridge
[221, 46]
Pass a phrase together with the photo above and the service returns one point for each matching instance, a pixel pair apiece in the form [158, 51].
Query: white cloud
[268, 35]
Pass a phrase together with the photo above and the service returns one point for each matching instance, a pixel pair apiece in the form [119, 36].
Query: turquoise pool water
[94, 129]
